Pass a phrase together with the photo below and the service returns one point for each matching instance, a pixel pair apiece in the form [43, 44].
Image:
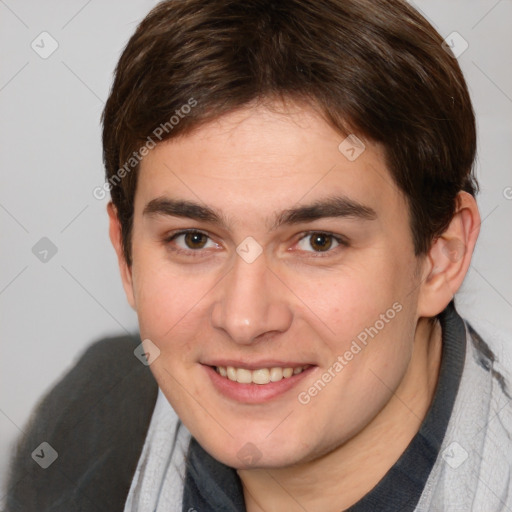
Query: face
[260, 246]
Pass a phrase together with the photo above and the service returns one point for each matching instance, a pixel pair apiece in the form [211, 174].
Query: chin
[256, 452]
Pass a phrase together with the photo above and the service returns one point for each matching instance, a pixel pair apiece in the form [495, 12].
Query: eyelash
[343, 243]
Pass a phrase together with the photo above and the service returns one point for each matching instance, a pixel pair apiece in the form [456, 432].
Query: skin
[291, 303]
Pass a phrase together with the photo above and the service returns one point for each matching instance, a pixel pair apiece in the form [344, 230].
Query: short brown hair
[375, 68]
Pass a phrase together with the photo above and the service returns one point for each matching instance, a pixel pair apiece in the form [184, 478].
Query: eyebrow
[330, 207]
[335, 206]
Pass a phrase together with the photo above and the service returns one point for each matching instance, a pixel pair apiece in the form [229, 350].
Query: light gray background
[51, 162]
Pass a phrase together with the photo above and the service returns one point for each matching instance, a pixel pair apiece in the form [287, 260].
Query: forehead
[259, 160]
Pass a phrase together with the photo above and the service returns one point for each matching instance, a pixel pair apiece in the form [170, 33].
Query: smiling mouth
[260, 376]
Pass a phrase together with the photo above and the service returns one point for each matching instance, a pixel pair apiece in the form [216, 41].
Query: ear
[449, 257]
[116, 238]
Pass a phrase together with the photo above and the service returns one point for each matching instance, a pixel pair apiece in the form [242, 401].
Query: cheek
[366, 364]
[164, 298]
[345, 301]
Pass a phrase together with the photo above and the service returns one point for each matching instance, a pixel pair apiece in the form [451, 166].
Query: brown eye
[319, 242]
[191, 242]
[195, 240]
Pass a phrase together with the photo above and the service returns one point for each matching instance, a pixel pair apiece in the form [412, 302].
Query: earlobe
[115, 233]
[449, 258]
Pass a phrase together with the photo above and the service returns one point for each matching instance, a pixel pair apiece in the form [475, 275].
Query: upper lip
[255, 365]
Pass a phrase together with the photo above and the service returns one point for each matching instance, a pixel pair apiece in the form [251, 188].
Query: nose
[250, 303]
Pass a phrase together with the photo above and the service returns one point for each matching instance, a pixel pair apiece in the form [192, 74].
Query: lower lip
[254, 393]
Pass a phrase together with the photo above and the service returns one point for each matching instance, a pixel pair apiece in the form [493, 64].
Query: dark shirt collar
[212, 486]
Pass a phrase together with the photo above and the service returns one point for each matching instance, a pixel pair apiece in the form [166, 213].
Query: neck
[342, 477]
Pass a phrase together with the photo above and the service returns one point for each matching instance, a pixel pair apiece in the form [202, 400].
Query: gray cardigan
[96, 419]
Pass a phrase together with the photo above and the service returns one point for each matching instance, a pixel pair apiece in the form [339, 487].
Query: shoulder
[95, 419]
[473, 468]
[484, 420]
[493, 347]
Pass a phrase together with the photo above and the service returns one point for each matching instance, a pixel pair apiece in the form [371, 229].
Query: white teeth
[276, 374]
[287, 372]
[259, 376]
[243, 376]
[231, 373]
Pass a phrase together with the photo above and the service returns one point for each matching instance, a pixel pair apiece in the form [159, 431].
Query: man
[293, 212]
